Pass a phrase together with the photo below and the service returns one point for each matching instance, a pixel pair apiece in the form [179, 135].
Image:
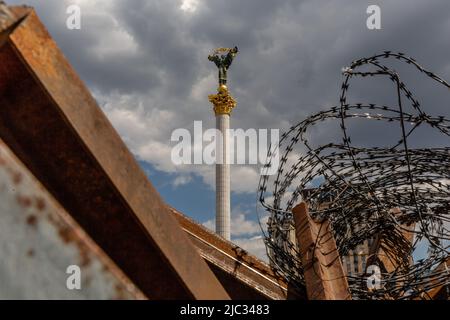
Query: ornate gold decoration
[221, 50]
[223, 102]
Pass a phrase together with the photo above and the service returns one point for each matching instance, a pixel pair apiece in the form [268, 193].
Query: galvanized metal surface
[53, 124]
[39, 241]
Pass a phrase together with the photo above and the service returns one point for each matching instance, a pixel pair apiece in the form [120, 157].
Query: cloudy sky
[146, 63]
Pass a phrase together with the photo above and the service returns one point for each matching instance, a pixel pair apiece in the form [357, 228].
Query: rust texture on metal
[235, 267]
[39, 240]
[438, 292]
[53, 124]
[324, 275]
[383, 258]
[7, 17]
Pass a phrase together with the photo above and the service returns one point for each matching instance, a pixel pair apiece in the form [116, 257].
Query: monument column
[223, 105]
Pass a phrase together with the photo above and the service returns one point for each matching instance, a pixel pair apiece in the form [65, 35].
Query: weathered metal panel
[53, 124]
[39, 241]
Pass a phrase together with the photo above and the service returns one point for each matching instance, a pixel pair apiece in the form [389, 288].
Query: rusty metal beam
[439, 292]
[242, 275]
[39, 240]
[386, 260]
[324, 275]
[53, 124]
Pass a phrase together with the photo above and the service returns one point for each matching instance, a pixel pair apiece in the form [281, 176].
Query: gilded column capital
[223, 102]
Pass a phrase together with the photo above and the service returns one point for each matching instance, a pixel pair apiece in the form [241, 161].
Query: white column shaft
[223, 178]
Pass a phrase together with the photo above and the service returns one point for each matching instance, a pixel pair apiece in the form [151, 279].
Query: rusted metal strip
[39, 241]
[242, 275]
[53, 124]
[385, 259]
[7, 17]
[324, 275]
[439, 292]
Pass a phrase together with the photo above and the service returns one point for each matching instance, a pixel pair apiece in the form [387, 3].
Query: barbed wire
[396, 196]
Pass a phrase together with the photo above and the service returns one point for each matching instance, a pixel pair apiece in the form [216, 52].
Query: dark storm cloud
[291, 54]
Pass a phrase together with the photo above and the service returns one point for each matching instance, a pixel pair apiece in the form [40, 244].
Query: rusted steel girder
[324, 275]
[53, 124]
[242, 275]
[439, 292]
[39, 241]
[386, 260]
